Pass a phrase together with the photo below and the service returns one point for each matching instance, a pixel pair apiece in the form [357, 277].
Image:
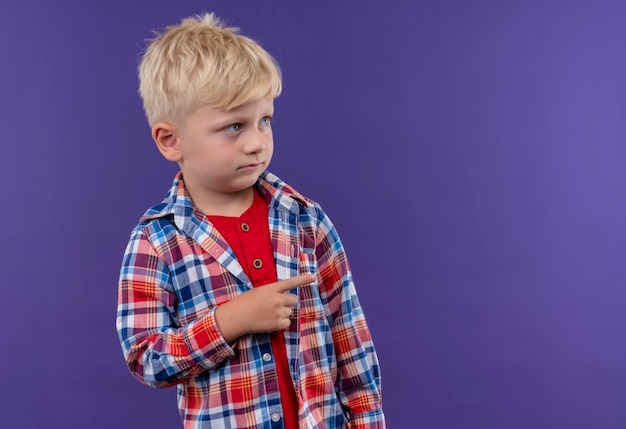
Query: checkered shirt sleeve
[358, 375]
[161, 353]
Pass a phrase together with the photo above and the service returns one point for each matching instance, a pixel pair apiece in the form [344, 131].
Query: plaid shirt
[177, 269]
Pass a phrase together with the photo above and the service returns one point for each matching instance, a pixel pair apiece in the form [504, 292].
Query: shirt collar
[282, 195]
[178, 202]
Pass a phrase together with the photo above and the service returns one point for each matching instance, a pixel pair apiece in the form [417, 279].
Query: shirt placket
[288, 228]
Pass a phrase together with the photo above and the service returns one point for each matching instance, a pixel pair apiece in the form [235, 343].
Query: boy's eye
[233, 128]
[266, 121]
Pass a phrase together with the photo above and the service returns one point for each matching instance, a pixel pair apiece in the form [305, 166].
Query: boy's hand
[262, 309]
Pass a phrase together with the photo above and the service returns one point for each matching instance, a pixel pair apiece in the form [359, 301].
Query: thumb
[294, 282]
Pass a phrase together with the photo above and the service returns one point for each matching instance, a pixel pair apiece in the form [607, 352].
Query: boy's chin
[247, 182]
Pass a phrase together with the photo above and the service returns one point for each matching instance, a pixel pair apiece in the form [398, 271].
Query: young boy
[236, 288]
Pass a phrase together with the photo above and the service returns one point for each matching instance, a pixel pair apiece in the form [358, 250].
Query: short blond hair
[202, 61]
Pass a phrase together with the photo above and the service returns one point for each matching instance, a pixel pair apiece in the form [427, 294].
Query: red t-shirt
[249, 237]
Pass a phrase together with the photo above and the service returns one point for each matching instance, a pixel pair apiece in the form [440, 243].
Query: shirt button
[267, 357]
[257, 263]
[275, 417]
[245, 227]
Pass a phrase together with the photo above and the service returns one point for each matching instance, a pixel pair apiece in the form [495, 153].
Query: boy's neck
[231, 204]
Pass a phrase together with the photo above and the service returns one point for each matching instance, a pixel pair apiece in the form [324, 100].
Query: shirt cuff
[368, 420]
[205, 342]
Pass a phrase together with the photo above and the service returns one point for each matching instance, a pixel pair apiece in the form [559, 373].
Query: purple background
[471, 153]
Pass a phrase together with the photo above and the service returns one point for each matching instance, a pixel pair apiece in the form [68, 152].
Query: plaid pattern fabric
[177, 269]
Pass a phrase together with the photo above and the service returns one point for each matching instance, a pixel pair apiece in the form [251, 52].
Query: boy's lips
[250, 167]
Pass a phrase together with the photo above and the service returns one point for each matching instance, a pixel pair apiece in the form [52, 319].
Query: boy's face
[223, 153]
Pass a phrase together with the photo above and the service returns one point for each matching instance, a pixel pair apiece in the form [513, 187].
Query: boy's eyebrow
[241, 118]
[230, 120]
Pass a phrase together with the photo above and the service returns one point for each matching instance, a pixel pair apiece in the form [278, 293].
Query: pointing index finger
[294, 282]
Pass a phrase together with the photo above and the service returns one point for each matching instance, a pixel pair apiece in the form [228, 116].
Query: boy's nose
[255, 142]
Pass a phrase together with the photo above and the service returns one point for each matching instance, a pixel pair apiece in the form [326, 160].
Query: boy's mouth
[250, 167]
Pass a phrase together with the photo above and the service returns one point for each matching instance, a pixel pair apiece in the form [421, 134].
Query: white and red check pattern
[176, 271]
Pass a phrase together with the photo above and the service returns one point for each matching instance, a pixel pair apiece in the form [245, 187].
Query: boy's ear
[164, 135]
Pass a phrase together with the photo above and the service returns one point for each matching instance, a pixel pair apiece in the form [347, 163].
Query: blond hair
[201, 61]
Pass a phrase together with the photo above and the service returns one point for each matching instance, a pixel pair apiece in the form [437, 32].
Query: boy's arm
[358, 383]
[158, 352]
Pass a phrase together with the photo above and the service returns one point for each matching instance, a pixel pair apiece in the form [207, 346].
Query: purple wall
[472, 155]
